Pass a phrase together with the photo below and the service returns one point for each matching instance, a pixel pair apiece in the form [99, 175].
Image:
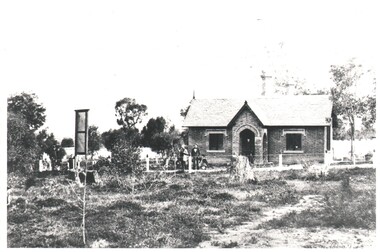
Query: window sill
[216, 151]
[293, 152]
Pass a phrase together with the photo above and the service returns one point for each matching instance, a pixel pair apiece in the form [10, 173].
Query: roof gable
[302, 110]
[245, 107]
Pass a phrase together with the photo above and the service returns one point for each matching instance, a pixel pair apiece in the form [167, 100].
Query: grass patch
[176, 211]
[342, 209]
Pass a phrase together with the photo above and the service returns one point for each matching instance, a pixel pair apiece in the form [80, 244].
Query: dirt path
[248, 235]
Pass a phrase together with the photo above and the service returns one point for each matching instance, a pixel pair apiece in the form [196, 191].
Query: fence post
[147, 163]
[280, 160]
[190, 159]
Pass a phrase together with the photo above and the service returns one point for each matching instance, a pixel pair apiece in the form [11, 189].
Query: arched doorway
[247, 144]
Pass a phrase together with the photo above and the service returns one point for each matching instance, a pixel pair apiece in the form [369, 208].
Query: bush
[126, 157]
[29, 183]
[50, 202]
[223, 196]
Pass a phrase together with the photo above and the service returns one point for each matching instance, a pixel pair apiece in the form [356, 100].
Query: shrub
[223, 196]
[50, 202]
[125, 157]
[29, 183]
[231, 244]
[126, 206]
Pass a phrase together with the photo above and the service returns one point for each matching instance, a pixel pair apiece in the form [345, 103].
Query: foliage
[25, 116]
[154, 126]
[157, 136]
[48, 144]
[346, 103]
[67, 142]
[369, 115]
[129, 113]
[110, 137]
[94, 139]
[184, 111]
[22, 145]
[125, 156]
[26, 105]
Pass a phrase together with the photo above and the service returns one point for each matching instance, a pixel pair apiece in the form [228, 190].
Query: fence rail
[279, 160]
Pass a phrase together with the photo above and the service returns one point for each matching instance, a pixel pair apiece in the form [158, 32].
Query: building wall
[312, 145]
[248, 120]
[200, 136]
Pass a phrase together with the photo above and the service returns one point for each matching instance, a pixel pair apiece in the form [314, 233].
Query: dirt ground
[249, 235]
[202, 210]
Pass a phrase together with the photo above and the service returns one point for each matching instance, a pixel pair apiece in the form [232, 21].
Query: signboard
[81, 131]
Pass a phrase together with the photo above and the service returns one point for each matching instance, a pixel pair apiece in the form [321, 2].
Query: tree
[125, 156]
[48, 144]
[158, 136]
[184, 111]
[154, 126]
[347, 105]
[25, 116]
[26, 106]
[109, 138]
[94, 140]
[21, 142]
[67, 142]
[129, 113]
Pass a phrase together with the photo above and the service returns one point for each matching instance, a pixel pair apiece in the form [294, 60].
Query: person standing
[183, 155]
[195, 156]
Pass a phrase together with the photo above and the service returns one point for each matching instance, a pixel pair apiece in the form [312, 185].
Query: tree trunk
[352, 125]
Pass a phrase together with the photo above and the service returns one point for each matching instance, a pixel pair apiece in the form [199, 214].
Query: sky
[90, 54]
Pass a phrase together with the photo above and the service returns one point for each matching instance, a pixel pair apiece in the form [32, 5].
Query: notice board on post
[81, 131]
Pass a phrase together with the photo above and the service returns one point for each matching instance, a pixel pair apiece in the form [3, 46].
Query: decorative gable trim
[241, 110]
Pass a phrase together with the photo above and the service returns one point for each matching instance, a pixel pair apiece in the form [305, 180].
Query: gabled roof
[300, 110]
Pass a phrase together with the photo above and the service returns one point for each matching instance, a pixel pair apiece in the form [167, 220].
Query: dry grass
[176, 211]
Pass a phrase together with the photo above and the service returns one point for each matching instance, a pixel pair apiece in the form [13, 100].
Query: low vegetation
[179, 210]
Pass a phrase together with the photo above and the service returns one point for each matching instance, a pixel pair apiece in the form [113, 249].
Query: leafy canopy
[94, 139]
[26, 106]
[348, 105]
[129, 113]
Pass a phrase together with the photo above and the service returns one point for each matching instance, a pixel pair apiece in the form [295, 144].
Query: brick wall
[199, 136]
[248, 120]
[312, 145]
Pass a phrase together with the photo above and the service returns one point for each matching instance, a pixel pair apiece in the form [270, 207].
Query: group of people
[198, 160]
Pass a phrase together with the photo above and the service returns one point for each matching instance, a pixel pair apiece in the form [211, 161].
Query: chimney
[263, 87]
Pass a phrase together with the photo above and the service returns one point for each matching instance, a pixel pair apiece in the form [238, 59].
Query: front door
[247, 143]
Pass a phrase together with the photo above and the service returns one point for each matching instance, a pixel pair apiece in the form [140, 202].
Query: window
[293, 142]
[215, 141]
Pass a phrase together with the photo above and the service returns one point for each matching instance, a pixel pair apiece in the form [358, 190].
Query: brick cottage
[298, 127]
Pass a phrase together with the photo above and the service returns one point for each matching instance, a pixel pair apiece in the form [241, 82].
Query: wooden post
[147, 163]
[84, 203]
[190, 165]
[76, 169]
[280, 160]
